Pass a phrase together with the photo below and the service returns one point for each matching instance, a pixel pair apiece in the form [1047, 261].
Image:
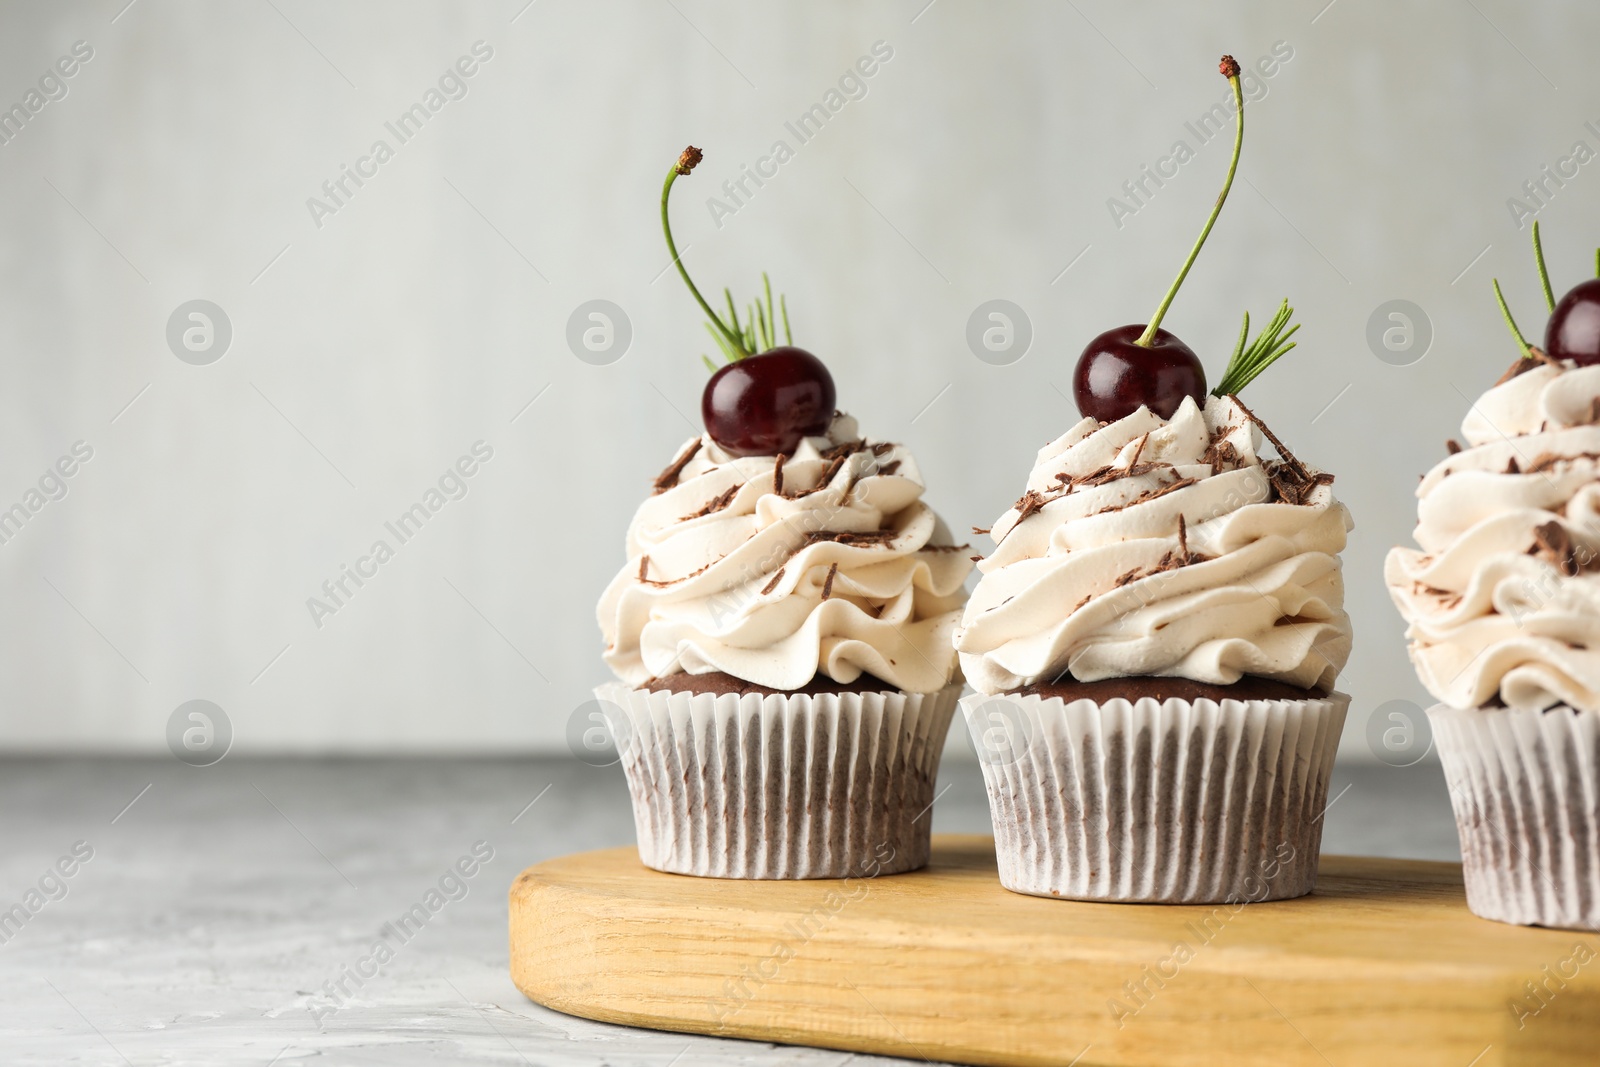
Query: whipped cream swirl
[775, 570]
[1503, 598]
[1151, 547]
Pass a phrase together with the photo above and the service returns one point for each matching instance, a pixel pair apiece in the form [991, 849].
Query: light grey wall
[370, 352]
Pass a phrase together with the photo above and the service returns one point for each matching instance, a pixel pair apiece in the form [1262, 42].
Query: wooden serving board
[1382, 965]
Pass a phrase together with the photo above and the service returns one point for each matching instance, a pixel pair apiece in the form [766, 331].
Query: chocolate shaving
[1134, 459]
[716, 503]
[827, 475]
[978, 531]
[889, 468]
[644, 567]
[1029, 505]
[1102, 475]
[976, 559]
[1535, 357]
[1288, 487]
[1553, 543]
[1452, 446]
[1221, 455]
[1170, 487]
[882, 448]
[827, 583]
[1548, 460]
[1287, 456]
[943, 548]
[668, 478]
[658, 583]
[770, 586]
[850, 537]
[1171, 561]
[848, 448]
[777, 474]
[1511, 466]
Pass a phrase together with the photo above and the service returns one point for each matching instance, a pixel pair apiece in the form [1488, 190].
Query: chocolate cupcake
[782, 631]
[1503, 604]
[1156, 636]
[1154, 642]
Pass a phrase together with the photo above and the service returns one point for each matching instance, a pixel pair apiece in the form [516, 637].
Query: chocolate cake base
[1162, 689]
[717, 682]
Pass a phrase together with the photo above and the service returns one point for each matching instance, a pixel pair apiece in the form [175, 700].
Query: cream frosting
[1162, 547]
[1502, 597]
[831, 564]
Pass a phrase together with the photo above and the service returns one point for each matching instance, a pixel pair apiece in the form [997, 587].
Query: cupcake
[1502, 598]
[1155, 638]
[782, 631]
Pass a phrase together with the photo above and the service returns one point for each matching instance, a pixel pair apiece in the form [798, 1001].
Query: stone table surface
[218, 904]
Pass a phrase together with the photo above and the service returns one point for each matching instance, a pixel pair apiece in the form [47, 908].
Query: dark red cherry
[1115, 376]
[1574, 329]
[764, 404]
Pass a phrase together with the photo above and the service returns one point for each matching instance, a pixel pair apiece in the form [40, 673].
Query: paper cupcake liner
[791, 786]
[1178, 802]
[1525, 786]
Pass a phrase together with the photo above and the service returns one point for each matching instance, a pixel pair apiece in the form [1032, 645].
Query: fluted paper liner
[1177, 802]
[792, 786]
[1525, 786]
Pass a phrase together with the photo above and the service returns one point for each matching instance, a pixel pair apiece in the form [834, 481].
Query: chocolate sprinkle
[850, 537]
[1221, 455]
[1030, 504]
[716, 503]
[661, 582]
[827, 583]
[1133, 460]
[777, 474]
[668, 478]
[770, 586]
[1535, 357]
[1552, 543]
[1287, 456]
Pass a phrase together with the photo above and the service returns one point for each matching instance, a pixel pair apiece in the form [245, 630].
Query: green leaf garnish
[1544, 275]
[1522, 342]
[1249, 360]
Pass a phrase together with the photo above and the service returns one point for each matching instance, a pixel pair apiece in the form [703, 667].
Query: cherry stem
[1231, 69]
[684, 165]
[1522, 342]
[1544, 275]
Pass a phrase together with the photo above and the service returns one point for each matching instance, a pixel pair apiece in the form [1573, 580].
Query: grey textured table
[222, 905]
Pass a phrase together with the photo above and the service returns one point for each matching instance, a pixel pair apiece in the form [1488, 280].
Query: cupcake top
[1503, 597]
[1163, 547]
[779, 569]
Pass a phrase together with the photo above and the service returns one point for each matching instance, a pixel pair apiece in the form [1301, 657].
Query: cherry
[768, 396]
[1116, 375]
[1574, 328]
[1145, 366]
[764, 404]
